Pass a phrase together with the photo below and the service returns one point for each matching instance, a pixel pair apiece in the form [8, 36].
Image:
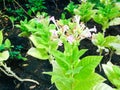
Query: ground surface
[33, 68]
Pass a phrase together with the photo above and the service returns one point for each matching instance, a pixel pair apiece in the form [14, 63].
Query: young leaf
[61, 59]
[7, 43]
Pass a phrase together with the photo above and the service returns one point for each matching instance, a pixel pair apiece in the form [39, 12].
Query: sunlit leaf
[4, 55]
[38, 53]
[115, 21]
[103, 86]
[1, 37]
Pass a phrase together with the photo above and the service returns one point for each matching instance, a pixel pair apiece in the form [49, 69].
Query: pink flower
[60, 43]
[65, 28]
[70, 39]
[87, 32]
[52, 19]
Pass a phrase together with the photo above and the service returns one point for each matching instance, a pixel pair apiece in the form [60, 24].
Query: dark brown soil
[33, 68]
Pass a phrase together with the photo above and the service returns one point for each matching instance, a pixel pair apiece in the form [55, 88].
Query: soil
[33, 68]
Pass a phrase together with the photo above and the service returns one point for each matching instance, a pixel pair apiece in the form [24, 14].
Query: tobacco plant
[106, 15]
[84, 10]
[45, 37]
[71, 73]
[35, 6]
[108, 43]
[38, 31]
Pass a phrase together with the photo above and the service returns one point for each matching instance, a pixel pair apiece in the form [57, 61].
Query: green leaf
[88, 64]
[108, 40]
[59, 78]
[1, 37]
[116, 69]
[85, 10]
[7, 43]
[38, 42]
[38, 53]
[98, 39]
[87, 83]
[70, 7]
[4, 56]
[24, 34]
[61, 59]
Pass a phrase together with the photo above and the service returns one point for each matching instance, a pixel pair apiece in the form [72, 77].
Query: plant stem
[9, 72]
[22, 8]
[4, 4]
[111, 53]
[100, 55]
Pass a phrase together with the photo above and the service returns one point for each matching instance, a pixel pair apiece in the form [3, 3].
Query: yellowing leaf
[38, 53]
[103, 86]
[115, 21]
[4, 55]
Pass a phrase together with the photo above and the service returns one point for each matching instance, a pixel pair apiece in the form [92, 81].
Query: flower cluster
[74, 31]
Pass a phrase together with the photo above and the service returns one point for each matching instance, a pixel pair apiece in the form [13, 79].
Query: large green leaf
[108, 40]
[38, 53]
[61, 59]
[62, 81]
[87, 83]
[38, 42]
[88, 64]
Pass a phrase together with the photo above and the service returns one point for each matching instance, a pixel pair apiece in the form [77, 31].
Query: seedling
[105, 14]
[108, 43]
